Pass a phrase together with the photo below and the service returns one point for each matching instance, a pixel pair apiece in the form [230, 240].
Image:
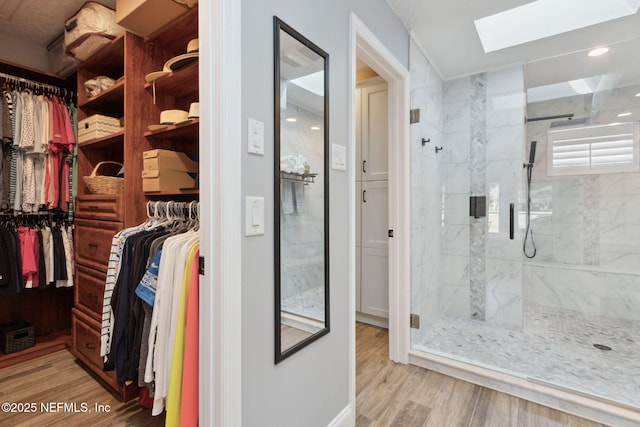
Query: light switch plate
[255, 133]
[254, 216]
[338, 157]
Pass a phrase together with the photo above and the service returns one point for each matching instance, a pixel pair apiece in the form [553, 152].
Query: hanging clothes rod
[35, 84]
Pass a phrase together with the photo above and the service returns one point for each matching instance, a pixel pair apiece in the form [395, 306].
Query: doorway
[372, 197]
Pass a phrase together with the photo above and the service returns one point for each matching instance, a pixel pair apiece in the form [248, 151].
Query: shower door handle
[511, 225]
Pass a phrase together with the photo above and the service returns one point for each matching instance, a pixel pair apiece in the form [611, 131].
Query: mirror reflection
[301, 188]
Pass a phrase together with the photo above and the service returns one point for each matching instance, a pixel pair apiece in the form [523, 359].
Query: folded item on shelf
[97, 126]
[98, 85]
[168, 160]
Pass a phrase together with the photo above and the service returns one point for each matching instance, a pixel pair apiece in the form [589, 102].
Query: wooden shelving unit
[114, 139]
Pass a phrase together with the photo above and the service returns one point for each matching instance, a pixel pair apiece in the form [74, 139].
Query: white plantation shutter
[593, 149]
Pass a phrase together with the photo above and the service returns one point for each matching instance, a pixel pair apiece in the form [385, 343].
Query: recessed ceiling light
[522, 24]
[291, 119]
[315, 128]
[598, 51]
[624, 114]
[638, 94]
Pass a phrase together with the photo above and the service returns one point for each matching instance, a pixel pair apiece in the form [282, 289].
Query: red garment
[27, 237]
[190, 382]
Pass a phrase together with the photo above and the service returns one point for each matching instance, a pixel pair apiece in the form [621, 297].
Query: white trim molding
[363, 44]
[371, 51]
[220, 200]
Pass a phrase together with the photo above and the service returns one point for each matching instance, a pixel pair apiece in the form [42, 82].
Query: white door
[374, 164]
[359, 135]
[375, 214]
[374, 295]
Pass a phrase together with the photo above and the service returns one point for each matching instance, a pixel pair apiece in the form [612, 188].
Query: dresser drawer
[93, 242]
[107, 207]
[89, 292]
[86, 341]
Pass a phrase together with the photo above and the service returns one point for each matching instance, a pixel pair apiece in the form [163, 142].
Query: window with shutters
[593, 149]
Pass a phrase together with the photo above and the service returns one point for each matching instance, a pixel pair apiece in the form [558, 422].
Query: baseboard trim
[598, 410]
[346, 418]
[380, 322]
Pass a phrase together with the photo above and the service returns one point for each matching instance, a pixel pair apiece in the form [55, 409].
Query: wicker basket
[104, 184]
[16, 336]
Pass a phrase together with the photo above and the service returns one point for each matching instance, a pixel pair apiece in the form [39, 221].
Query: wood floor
[58, 378]
[390, 394]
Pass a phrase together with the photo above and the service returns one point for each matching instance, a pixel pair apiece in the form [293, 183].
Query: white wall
[23, 53]
[309, 388]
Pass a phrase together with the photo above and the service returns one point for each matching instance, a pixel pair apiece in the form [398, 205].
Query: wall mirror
[301, 191]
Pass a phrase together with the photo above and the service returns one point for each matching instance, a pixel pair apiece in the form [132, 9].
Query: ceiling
[446, 33]
[38, 21]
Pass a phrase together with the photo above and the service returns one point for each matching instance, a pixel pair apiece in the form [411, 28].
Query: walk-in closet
[99, 212]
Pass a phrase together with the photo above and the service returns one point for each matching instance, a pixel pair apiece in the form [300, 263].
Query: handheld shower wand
[528, 232]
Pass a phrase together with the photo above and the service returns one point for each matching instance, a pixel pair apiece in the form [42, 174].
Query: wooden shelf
[113, 139]
[47, 344]
[188, 191]
[109, 101]
[171, 36]
[180, 83]
[109, 60]
[185, 131]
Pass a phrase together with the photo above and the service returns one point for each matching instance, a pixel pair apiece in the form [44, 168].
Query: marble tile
[456, 116]
[456, 209]
[455, 240]
[555, 346]
[506, 81]
[458, 177]
[457, 90]
[457, 146]
[505, 143]
[308, 304]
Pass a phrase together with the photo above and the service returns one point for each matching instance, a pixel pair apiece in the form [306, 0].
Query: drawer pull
[90, 346]
[91, 295]
[93, 208]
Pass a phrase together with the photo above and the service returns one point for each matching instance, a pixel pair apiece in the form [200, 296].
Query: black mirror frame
[277, 27]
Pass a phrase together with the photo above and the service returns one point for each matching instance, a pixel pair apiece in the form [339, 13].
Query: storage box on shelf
[177, 90]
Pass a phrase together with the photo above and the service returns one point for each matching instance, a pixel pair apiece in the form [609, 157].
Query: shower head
[570, 122]
[532, 153]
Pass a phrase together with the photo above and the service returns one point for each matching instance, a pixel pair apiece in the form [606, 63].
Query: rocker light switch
[256, 137]
[338, 157]
[254, 216]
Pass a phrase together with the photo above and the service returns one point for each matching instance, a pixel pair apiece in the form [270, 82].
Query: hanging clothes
[39, 139]
[151, 297]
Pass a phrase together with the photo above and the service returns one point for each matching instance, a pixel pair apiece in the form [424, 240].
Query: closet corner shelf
[306, 178]
[186, 191]
[188, 130]
[111, 98]
[104, 142]
[179, 83]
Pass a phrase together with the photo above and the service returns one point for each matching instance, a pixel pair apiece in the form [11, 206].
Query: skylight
[313, 82]
[545, 18]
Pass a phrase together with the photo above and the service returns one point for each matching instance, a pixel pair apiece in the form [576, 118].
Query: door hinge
[390, 234]
[414, 116]
[414, 321]
[201, 265]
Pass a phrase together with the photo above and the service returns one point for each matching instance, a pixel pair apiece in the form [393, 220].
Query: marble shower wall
[426, 95]
[302, 232]
[481, 276]
[586, 227]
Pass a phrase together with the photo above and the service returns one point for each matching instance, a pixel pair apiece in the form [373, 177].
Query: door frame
[363, 44]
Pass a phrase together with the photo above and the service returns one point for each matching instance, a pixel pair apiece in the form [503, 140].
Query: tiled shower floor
[307, 304]
[554, 346]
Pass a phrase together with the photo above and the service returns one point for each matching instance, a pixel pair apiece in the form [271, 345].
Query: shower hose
[528, 232]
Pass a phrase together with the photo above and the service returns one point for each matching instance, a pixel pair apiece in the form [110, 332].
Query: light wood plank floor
[58, 378]
[390, 394]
